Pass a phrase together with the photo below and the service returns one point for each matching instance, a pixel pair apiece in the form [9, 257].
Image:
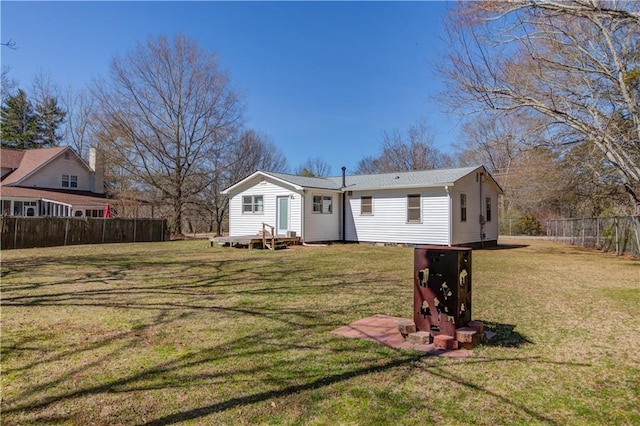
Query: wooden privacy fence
[28, 232]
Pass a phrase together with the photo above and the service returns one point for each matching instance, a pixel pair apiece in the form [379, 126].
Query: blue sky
[322, 79]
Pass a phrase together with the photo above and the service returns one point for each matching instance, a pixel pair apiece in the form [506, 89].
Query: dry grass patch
[163, 333]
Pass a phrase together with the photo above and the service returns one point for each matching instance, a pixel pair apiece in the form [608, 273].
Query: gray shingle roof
[426, 178]
[308, 182]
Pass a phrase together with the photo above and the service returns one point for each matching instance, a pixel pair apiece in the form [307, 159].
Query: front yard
[161, 333]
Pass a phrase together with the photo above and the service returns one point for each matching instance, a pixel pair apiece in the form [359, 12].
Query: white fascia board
[56, 202]
[256, 174]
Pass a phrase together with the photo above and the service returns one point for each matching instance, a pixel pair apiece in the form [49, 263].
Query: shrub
[528, 225]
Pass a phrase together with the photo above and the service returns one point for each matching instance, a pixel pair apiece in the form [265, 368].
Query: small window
[322, 204]
[463, 207]
[488, 205]
[366, 205]
[252, 204]
[413, 208]
[69, 181]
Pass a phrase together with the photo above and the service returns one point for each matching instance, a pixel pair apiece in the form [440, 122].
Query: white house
[444, 207]
[50, 182]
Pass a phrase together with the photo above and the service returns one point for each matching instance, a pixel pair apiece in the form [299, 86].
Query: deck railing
[268, 235]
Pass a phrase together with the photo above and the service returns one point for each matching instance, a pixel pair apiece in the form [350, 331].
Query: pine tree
[49, 118]
[25, 128]
[19, 122]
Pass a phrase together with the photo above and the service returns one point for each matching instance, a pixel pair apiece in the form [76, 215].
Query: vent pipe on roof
[344, 177]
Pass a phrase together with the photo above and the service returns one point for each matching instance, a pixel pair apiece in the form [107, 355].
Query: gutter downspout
[303, 196]
[450, 230]
[344, 205]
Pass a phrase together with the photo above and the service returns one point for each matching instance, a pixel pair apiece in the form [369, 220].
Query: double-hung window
[366, 205]
[252, 204]
[488, 209]
[322, 204]
[69, 181]
[463, 207]
[413, 208]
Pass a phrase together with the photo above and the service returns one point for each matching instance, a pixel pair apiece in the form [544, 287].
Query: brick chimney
[95, 162]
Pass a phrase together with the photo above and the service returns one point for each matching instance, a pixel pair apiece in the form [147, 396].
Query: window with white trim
[463, 207]
[322, 204]
[252, 204]
[366, 205]
[413, 208]
[488, 209]
[69, 181]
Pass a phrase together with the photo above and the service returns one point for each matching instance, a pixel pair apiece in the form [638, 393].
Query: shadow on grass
[506, 336]
[504, 247]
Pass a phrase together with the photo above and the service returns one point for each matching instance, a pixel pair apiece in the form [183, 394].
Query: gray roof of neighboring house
[426, 178]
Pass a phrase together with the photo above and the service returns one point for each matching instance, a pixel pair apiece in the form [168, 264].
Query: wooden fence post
[15, 233]
[66, 230]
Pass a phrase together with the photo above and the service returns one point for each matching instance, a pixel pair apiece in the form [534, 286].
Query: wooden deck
[254, 241]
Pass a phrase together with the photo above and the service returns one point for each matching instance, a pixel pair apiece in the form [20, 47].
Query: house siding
[251, 224]
[50, 176]
[469, 232]
[322, 227]
[388, 223]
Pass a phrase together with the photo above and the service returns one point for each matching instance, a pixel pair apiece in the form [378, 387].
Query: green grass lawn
[164, 333]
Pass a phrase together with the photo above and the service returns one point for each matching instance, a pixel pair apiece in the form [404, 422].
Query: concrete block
[478, 326]
[467, 337]
[420, 337]
[406, 327]
[442, 341]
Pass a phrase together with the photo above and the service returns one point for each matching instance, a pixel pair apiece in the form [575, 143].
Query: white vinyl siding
[389, 224]
[251, 224]
[322, 227]
[465, 232]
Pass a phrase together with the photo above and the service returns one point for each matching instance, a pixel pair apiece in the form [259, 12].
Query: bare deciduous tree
[166, 111]
[252, 151]
[80, 107]
[572, 66]
[314, 167]
[415, 151]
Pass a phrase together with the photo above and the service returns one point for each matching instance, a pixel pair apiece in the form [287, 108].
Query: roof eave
[260, 173]
[416, 186]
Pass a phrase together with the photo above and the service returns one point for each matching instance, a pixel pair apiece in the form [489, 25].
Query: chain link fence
[613, 234]
[620, 235]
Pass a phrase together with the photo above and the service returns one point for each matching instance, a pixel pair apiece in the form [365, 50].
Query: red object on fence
[107, 211]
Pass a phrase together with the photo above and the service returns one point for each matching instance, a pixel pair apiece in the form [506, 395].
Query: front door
[282, 216]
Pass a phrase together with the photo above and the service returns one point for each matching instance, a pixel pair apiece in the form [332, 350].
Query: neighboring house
[50, 182]
[444, 207]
